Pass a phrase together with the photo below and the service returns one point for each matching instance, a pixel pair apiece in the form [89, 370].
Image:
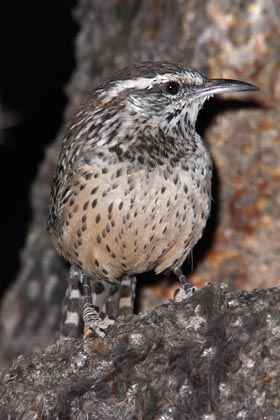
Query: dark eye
[172, 88]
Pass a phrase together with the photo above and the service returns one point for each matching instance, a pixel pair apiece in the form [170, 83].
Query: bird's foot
[93, 323]
[187, 291]
[182, 294]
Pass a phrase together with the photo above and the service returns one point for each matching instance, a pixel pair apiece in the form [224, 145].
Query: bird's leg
[188, 288]
[92, 320]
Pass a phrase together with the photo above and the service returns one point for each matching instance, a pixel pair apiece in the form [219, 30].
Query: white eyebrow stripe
[137, 83]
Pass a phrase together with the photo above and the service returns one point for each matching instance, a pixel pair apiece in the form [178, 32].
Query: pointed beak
[215, 86]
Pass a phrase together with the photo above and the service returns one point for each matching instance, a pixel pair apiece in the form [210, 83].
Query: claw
[184, 293]
[97, 326]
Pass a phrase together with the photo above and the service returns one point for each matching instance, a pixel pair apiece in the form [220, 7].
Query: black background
[37, 58]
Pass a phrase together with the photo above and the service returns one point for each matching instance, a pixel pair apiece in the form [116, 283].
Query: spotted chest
[120, 221]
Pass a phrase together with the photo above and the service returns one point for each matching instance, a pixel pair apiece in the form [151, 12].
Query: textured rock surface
[216, 354]
[241, 243]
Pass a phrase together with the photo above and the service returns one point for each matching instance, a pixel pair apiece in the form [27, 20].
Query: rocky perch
[215, 355]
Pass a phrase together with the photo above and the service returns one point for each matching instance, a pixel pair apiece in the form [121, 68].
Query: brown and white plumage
[132, 190]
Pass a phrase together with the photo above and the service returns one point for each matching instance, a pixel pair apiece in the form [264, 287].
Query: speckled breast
[121, 221]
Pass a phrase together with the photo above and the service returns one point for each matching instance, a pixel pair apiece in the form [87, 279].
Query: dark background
[36, 44]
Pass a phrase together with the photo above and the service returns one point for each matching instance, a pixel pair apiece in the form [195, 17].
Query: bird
[132, 189]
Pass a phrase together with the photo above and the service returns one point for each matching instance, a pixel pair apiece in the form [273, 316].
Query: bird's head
[162, 95]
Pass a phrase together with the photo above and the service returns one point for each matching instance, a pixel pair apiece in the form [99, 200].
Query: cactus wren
[132, 189]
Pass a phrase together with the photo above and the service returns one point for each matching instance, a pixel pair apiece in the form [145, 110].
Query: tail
[72, 321]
